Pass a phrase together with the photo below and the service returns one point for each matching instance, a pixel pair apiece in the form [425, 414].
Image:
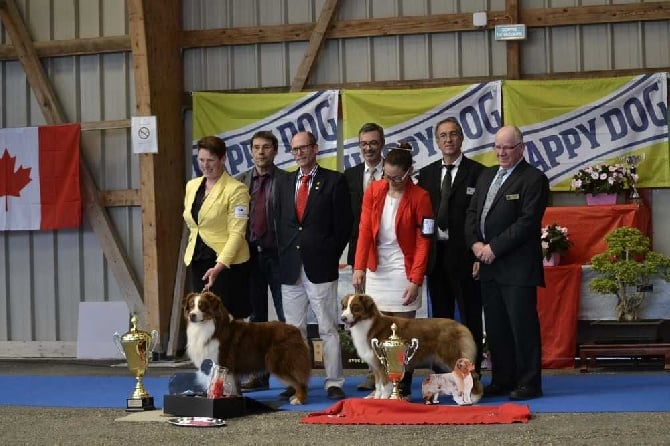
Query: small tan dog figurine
[459, 384]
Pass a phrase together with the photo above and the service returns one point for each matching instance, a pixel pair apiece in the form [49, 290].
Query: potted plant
[602, 182]
[555, 243]
[626, 268]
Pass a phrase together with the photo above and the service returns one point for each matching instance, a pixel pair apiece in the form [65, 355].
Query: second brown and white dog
[245, 347]
[441, 341]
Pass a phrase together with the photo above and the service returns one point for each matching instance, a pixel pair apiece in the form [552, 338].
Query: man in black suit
[451, 183]
[503, 230]
[371, 142]
[313, 219]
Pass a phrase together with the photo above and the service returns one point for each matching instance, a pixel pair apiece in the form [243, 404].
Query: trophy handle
[117, 342]
[411, 350]
[378, 351]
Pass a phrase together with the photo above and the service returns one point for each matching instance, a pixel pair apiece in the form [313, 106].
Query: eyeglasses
[453, 135]
[371, 144]
[396, 179]
[497, 147]
[302, 148]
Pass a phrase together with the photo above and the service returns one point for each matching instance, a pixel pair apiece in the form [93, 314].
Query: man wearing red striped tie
[313, 219]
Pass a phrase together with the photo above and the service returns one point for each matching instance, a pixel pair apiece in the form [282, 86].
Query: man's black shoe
[335, 393]
[525, 393]
[495, 390]
[287, 393]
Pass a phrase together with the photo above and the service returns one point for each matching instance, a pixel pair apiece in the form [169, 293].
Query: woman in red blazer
[392, 246]
[394, 238]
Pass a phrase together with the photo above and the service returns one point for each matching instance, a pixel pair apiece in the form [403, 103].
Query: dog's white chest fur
[200, 344]
[359, 335]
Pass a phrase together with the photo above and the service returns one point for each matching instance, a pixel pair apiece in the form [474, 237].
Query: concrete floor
[24, 425]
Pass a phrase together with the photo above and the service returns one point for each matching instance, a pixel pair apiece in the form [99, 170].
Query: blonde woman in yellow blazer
[216, 212]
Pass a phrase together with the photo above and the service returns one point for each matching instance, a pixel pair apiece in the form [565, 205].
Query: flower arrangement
[601, 179]
[554, 239]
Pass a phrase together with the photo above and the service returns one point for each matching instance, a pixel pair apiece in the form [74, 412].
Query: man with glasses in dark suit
[503, 230]
[371, 143]
[452, 267]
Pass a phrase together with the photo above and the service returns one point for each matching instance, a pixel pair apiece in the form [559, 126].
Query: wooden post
[155, 36]
[513, 46]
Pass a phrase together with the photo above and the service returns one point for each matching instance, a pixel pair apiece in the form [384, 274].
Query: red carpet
[362, 411]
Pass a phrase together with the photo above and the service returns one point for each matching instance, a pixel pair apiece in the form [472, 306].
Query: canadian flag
[39, 177]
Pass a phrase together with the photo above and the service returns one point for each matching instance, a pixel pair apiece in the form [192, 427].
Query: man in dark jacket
[451, 183]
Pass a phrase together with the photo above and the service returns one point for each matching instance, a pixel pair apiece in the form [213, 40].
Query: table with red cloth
[588, 226]
[558, 303]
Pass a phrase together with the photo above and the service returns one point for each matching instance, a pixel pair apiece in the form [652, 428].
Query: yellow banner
[235, 117]
[411, 115]
[572, 124]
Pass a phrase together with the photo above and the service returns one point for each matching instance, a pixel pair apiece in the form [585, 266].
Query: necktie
[258, 217]
[442, 215]
[301, 198]
[493, 190]
[372, 177]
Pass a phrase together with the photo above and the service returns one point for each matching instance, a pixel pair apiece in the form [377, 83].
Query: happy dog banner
[411, 115]
[235, 117]
[573, 124]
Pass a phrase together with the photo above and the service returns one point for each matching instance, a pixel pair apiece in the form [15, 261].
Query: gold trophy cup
[137, 346]
[394, 354]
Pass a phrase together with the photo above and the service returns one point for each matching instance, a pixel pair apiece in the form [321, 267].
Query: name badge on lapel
[470, 191]
[512, 197]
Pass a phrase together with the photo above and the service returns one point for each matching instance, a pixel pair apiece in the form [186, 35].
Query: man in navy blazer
[503, 231]
[311, 242]
[451, 262]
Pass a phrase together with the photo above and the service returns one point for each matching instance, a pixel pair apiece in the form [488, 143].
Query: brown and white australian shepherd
[245, 347]
[442, 342]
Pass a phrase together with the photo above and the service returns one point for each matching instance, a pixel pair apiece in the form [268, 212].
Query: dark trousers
[513, 334]
[231, 285]
[450, 283]
[264, 274]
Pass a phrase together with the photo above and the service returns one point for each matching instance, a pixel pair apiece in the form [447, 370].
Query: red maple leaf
[11, 181]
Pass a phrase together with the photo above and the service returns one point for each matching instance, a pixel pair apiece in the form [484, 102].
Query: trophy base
[140, 405]
[197, 406]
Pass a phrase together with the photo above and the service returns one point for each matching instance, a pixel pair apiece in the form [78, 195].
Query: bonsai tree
[626, 268]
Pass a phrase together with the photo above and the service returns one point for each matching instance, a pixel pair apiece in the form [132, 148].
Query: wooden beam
[438, 23]
[328, 12]
[155, 35]
[53, 114]
[342, 29]
[596, 14]
[105, 125]
[73, 47]
[513, 46]
[38, 349]
[128, 197]
[177, 315]
[436, 82]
